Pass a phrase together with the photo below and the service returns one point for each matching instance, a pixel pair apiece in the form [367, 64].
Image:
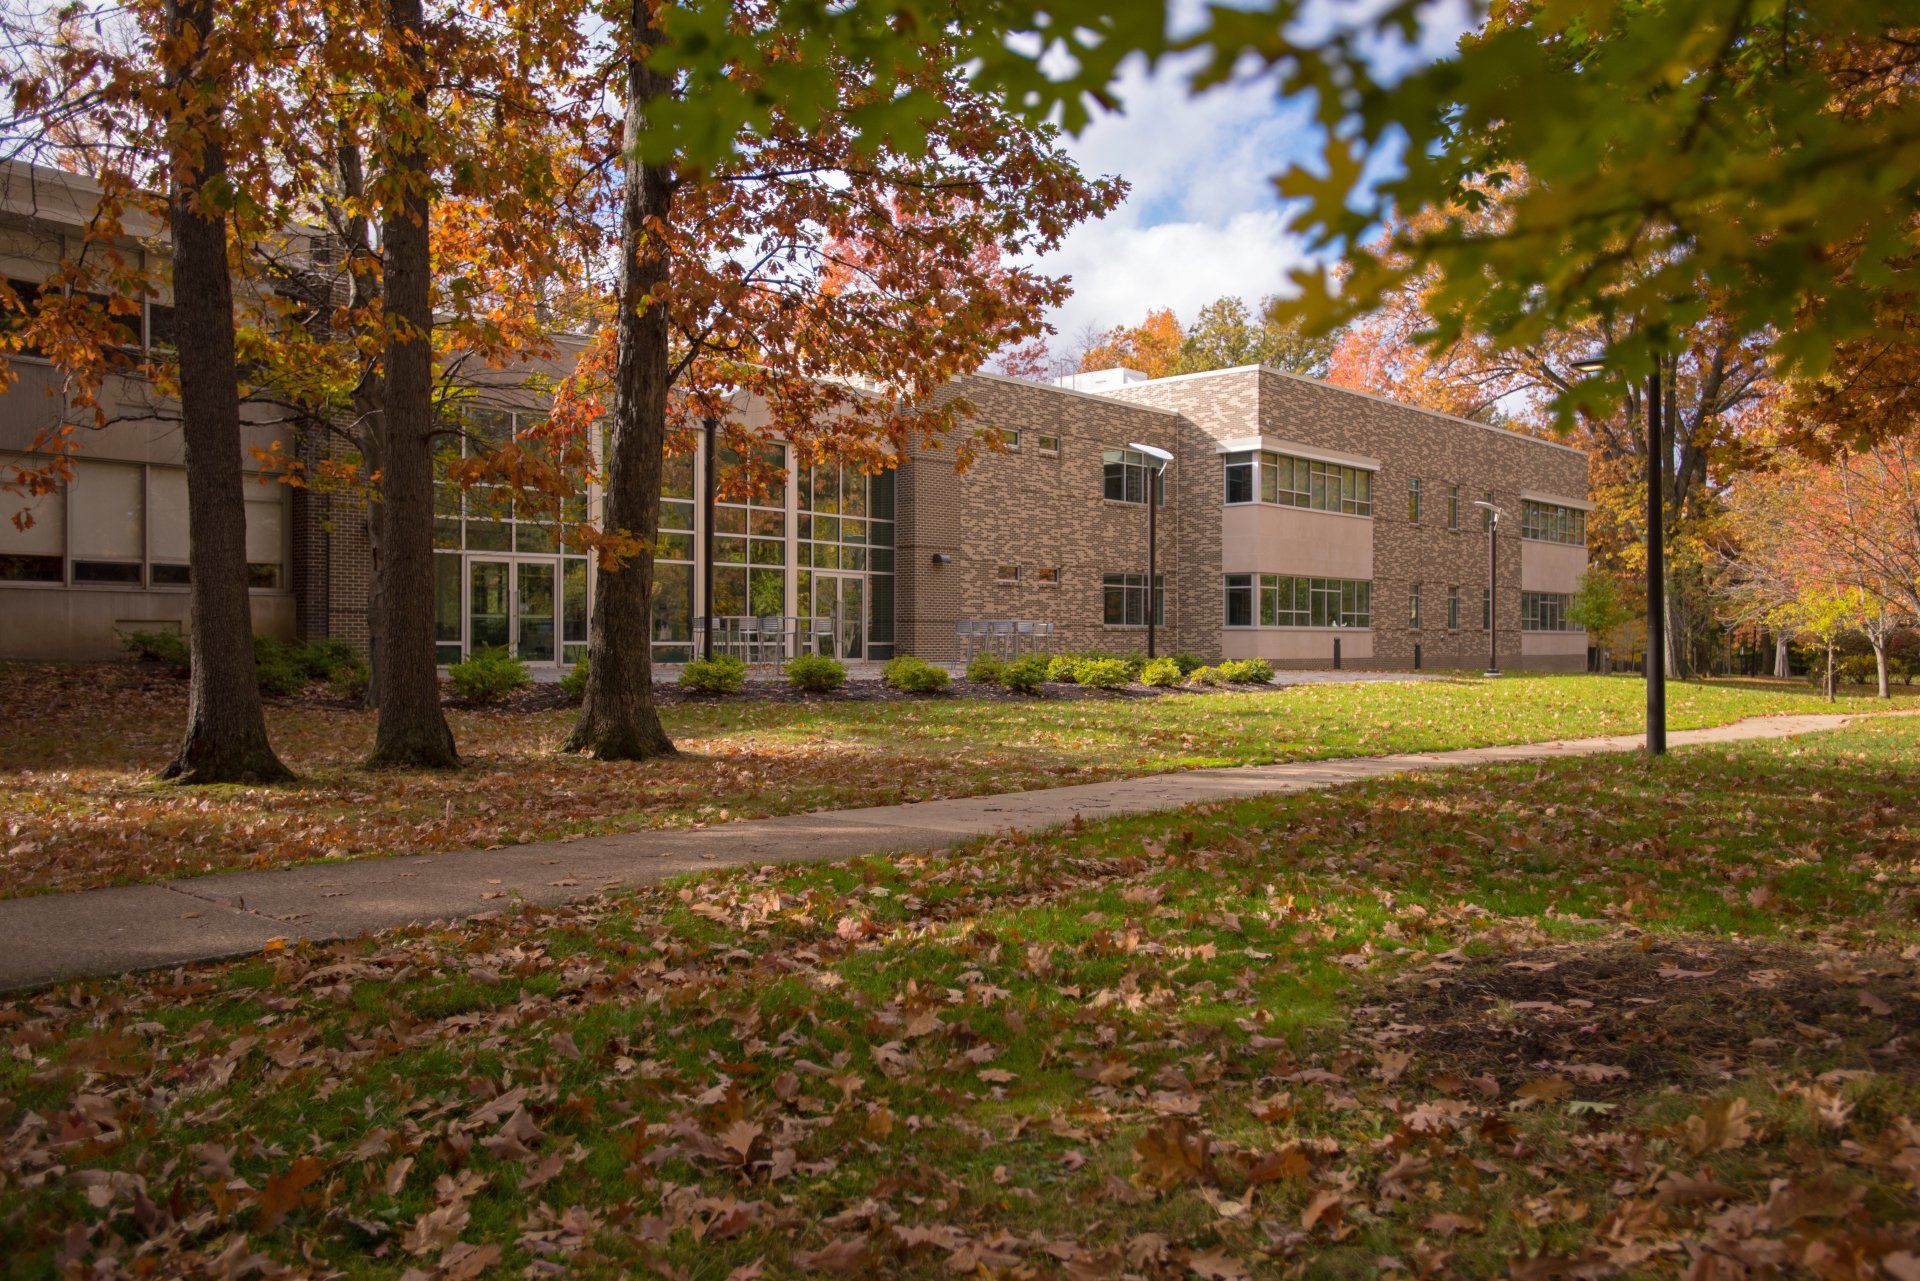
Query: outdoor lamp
[1153, 507]
[1493, 583]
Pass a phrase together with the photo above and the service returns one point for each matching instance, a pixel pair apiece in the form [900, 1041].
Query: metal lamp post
[1493, 583]
[1153, 508]
[710, 427]
[1656, 665]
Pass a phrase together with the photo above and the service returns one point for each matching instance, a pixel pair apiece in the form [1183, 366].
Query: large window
[1125, 474]
[1546, 612]
[1123, 600]
[1284, 600]
[1552, 523]
[125, 525]
[1298, 482]
[846, 523]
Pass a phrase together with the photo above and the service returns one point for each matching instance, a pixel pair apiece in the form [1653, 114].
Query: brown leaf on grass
[842, 1255]
[465, 1262]
[515, 1139]
[1327, 1207]
[285, 1191]
[1718, 1127]
[1216, 1265]
[437, 1229]
[1173, 1153]
[1545, 1089]
[1446, 1224]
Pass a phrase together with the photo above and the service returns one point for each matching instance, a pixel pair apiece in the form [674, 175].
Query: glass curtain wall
[818, 545]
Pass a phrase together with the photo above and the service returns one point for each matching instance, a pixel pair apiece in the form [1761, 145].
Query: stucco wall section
[1268, 539]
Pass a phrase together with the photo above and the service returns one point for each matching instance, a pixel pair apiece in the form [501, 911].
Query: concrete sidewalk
[91, 933]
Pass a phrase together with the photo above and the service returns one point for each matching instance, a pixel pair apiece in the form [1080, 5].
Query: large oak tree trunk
[226, 739]
[618, 719]
[412, 729]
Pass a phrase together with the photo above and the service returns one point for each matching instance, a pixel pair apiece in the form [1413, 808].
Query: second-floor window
[1413, 499]
[1546, 612]
[1453, 506]
[1126, 474]
[1552, 523]
[1268, 477]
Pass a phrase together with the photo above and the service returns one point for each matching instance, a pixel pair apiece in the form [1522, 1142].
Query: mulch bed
[545, 697]
[1615, 1018]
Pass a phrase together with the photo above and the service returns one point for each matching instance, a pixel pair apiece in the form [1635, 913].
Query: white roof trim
[1558, 500]
[1280, 446]
[1347, 391]
[1027, 384]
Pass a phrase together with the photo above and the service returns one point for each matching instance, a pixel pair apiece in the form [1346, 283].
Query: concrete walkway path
[90, 933]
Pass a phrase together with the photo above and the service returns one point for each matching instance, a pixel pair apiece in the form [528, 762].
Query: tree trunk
[226, 739]
[363, 275]
[1832, 692]
[1782, 658]
[412, 730]
[1880, 667]
[618, 719]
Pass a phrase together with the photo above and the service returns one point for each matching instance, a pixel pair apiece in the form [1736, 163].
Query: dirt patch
[1617, 1018]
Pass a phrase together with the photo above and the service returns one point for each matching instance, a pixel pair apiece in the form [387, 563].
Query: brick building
[1293, 516]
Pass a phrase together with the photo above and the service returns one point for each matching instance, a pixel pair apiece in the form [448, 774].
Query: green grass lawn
[1598, 1017]
[80, 807]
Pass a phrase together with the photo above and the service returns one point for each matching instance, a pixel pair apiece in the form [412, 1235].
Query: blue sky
[1202, 219]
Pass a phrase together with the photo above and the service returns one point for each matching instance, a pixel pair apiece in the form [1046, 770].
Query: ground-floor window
[1123, 600]
[1546, 612]
[124, 525]
[1284, 600]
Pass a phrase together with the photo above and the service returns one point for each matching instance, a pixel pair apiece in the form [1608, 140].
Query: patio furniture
[1000, 637]
[972, 635]
[773, 638]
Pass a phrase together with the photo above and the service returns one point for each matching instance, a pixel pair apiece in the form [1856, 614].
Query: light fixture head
[1152, 451]
[1588, 364]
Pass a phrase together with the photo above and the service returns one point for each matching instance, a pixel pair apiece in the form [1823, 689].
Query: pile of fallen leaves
[1278, 1038]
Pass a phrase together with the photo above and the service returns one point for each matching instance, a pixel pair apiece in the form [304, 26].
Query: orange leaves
[1173, 1154]
[286, 1191]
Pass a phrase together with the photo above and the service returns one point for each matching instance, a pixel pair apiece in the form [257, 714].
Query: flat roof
[1348, 391]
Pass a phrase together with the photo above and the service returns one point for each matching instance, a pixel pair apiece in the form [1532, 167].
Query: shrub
[1102, 673]
[169, 649]
[321, 660]
[1858, 669]
[281, 667]
[816, 673]
[1188, 664]
[489, 675]
[350, 678]
[1060, 668]
[915, 676]
[574, 683]
[1247, 671]
[1025, 675]
[1161, 673]
[721, 674]
[986, 669]
[1208, 676]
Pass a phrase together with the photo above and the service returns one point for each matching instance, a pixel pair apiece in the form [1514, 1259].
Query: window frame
[1133, 594]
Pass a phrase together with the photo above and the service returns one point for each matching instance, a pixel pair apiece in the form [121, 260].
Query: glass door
[840, 602]
[533, 611]
[489, 622]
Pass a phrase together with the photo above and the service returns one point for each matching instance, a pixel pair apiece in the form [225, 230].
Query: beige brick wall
[1032, 510]
[1407, 443]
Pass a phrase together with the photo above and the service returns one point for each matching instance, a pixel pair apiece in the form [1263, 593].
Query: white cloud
[1202, 218]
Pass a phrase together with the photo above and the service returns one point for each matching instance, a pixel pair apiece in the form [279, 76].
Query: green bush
[574, 683]
[1060, 668]
[1247, 671]
[1025, 675]
[489, 675]
[986, 669]
[1103, 673]
[1208, 676]
[721, 674]
[169, 649]
[915, 676]
[1858, 669]
[1188, 664]
[350, 678]
[816, 673]
[281, 667]
[1161, 673]
[320, 660]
